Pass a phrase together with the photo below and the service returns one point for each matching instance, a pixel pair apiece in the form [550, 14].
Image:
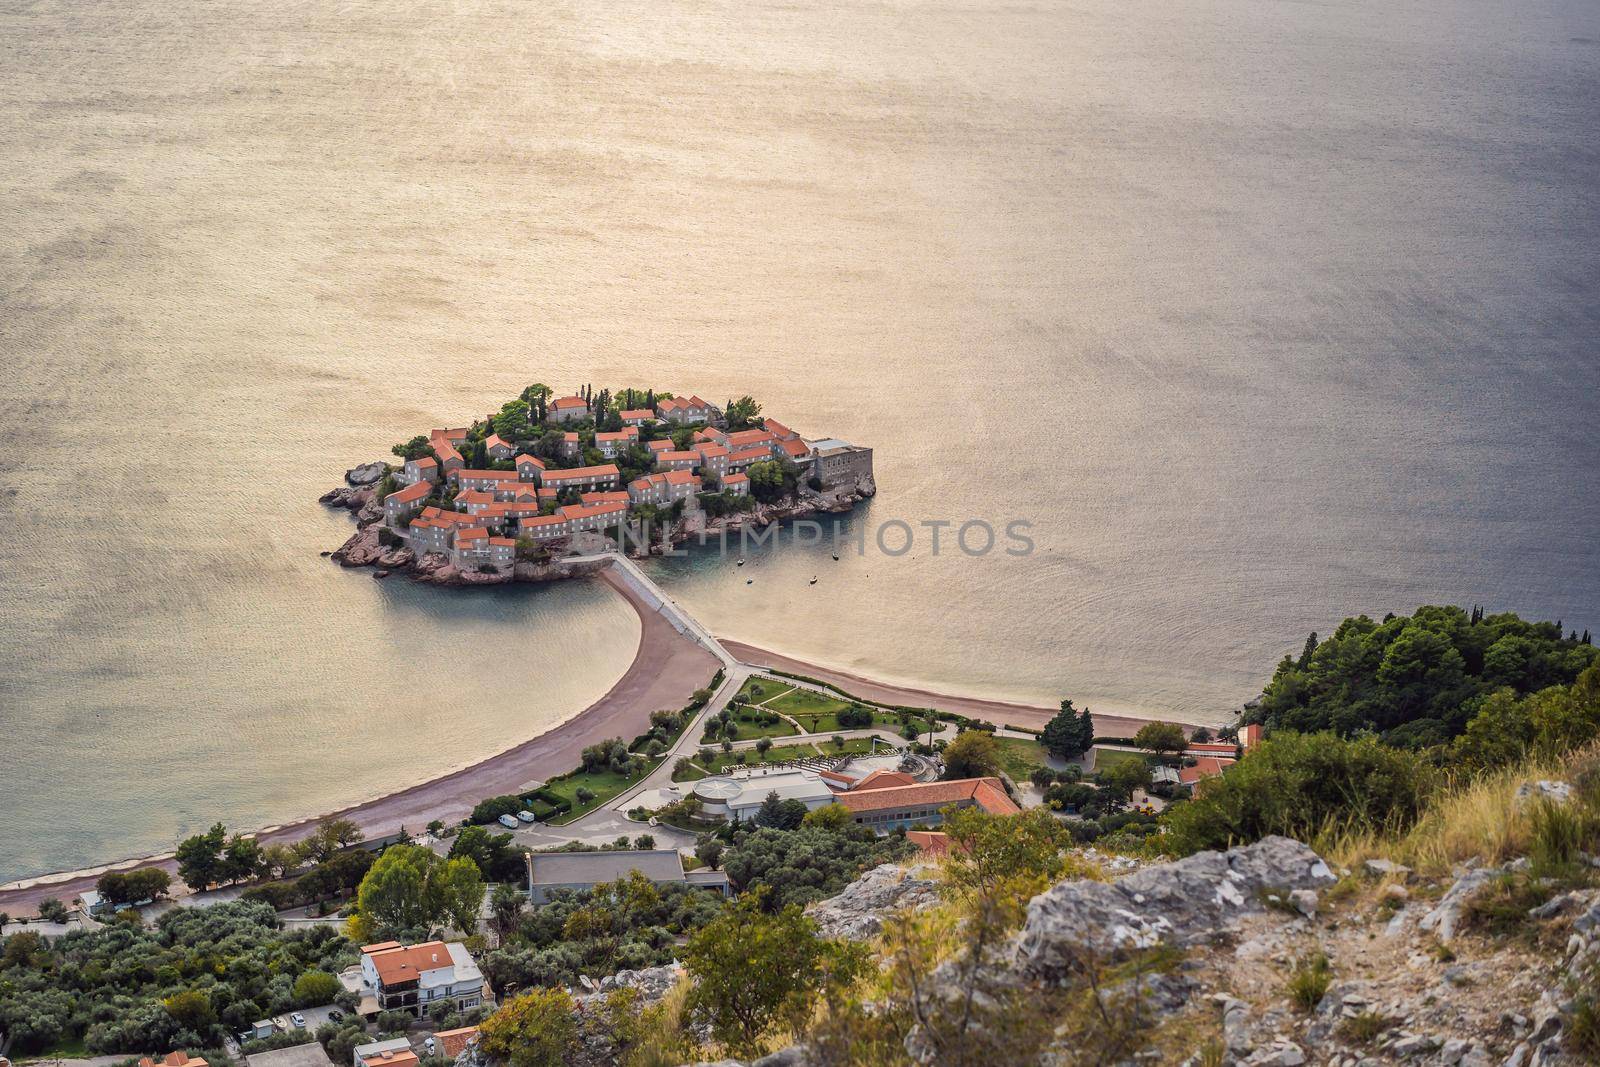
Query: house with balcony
[414, 978]
[615, 443]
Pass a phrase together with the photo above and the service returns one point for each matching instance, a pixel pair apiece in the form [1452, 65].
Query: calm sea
[1262, 313]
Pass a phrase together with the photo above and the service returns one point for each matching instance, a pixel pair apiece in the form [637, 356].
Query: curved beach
[999, 712]
[665, 672]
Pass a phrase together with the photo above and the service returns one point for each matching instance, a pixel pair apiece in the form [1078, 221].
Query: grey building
[308, 1055]
[840, 463]
[550, 871]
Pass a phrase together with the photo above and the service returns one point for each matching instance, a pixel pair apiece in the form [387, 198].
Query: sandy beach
[999, 712]
[665, 672]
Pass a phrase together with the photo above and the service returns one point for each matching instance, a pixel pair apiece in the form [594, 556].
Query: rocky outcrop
[362, 549]
[857, 914]
[1187, 902]
[366, 473]
[354, 498]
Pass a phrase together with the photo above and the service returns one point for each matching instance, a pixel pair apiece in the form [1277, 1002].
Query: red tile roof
[407, 964]
[1204, 767]
[581, 473]
[453, 1043]
[424, 461]
[583, 511]
[525, 460]
[627, 433]
[737, 478]
[711, 451]
[745, 438]
[566, 403]
[411, 493]
[796, 449]
[637, 413]
[503, 542]
[986, 793]
[494, 441]
[496, 476]
[612, 496]
[777, 428]
[677, 457]
[660, 446]
[476, 533]
[932, 842]
[885, 780]
[756, 452]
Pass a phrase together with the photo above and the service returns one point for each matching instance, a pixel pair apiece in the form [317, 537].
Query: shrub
[1302, 785]
[1309, 981]
[488, 811]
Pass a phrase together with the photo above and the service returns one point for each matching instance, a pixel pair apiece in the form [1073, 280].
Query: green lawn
[1108, 757]
[802, 702]
[1020, 757]
[603, 784]
[758, 689]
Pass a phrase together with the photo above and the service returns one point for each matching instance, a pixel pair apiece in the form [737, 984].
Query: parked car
[527, 816]
[509, 822]
[334, 1015]
[298, 1020]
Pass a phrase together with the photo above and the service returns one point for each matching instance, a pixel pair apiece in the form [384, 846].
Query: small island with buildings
[530, 492]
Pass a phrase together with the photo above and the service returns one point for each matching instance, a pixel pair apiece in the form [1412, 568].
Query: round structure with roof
[714, 794]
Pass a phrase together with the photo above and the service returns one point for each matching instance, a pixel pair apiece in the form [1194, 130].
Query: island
[537, 490]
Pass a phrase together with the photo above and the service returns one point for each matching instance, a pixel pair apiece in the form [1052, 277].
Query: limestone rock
[366, 473]
[1187, 902]
[1446, 915]
[1554, 791]
[858, 912]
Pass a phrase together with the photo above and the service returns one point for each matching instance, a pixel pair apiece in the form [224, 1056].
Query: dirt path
[666, 670]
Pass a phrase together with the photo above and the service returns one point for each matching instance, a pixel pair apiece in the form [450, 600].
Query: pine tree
[1305, 653]
[1061, 733]
[1085, 731]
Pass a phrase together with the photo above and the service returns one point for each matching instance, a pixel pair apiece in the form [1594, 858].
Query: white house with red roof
[414, 978]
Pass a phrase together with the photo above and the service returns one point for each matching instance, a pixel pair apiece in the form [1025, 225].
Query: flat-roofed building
[740, 795]
[839, 463]
[395, 1052]
[310, 1054]
[550, 872]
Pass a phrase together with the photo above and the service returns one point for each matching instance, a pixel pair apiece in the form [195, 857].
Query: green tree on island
[741, 413]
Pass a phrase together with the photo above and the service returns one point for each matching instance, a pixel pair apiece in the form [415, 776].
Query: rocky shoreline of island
[534, 492]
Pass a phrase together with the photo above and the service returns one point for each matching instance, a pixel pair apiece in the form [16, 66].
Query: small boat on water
[749, 581]
[813, 580]
[740, 563]
[836, 559]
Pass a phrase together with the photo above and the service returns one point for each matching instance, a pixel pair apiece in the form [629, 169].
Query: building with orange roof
[678, 461]
[710, 435]
[469, 478]
[749, 438]
[658, 447]
[932, 843]
[529, 468]
[497, 447]
[581, 517]
[571, 446]
[741, 459]
[663, 488]
[713, 458]
[394, 1052]
[568, 409]
[610, 496]
[795, 450]
[637, 416]
[602, 476]
[452, 1043]
[544, 528]
[404, 503]
[738, 484]
[614, 443]
[683, 410]
[174, 1059]
[883, 780]
[905, 806]
[1204, 767]
[416, 977]
[779, 430]
[423, 468]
